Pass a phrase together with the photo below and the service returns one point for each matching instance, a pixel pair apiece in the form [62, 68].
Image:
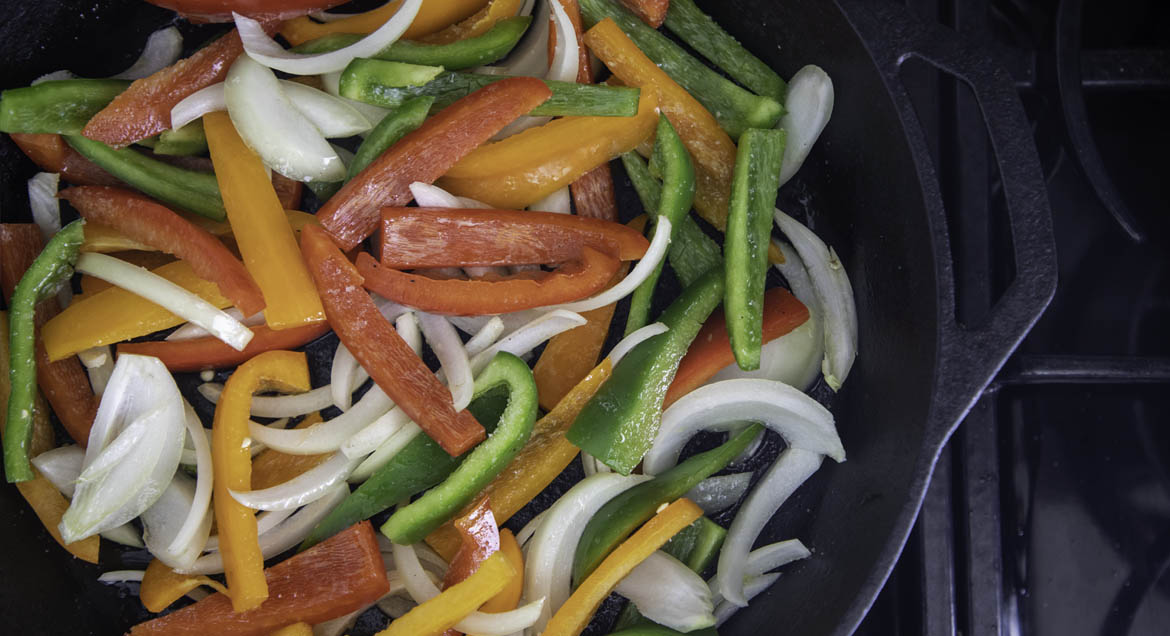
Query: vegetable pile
[463, 258]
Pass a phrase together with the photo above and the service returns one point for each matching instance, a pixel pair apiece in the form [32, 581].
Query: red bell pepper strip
[52, 154]
[64, 383]
[710, 351]
[381, 351]
[443, 237]
[593, 194]
[211, 353]
[144, 220]
[573, 281]
[335, 577]
[426, 154]
[480, 539]
[652, 12]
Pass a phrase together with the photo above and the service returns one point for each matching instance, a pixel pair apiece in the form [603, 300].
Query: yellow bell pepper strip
[568, 357]
[296, 629]
[162, 586]
[524, 168]
[433, 16]
[477, 24]
[452, 604]
[114, 314]
[508, 598]
[576, 613]
[261, 228]
[273, 467]
[243, 564]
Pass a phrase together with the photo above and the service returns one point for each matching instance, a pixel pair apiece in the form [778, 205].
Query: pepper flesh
[210, 352]
[480, 538]
[424, 154]
[452, 604]
[568, 357]
[381, 351]
[62, 106]
[574, 615]
[593, 194]
[261, 228]
[526, 167]
[652, 12]
[52, 154]
[339, 576]
[477, 23]
[686, 20]
[273, 467]
[407, 117]
[509, 597]
[431, 17]
[162, 586]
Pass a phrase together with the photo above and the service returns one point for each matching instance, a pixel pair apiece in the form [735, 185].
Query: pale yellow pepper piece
[442, 612]
[162, 586]
[432, 16]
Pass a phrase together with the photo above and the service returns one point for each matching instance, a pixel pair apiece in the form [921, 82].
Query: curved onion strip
[430, 559]
[769, 557]
[162, 292]
[54, 76]
[94, 357]
[99, 373]
[719, 493]
[432, 196]
[807, 109]
[163, 48]
[559, 202]
[834, 294]
[407, 327]
[276, 406]
[448, 348]
[61, 466]
[328, 436]
[529, 529]
[331, 82]
[300, 490]
[208, 99]
[485, 337]
[395, 606]
[190, 331]
[530, 57]
[266, 51]
[636, 338]
[548, 568]
[43, 202]
[592, 466]
[333, 116]
[642, 271]
[529, 336]
[265, 521]
[343, 377]
[385, 452]
[121, 576]
[370, 438]
[201, 500]
[669, 593]
[563, 67]
[163, 521]
[751, 589]
[125, 534]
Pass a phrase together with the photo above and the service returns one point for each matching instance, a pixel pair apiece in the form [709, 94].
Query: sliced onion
[191, 331]
[529, 529]
[529, 336]
[592, 466]
[530, 57]
[61, 466]
[834, 294]
[300, 490]
[121, 576]
[807, 109]
[559, 202]
[333, 116]
[407, 327]
[448, 348]
[43, 202]
[193, 531]
[563, 67]
[395, 606]
[163, 521]
[265, 521]
[636, 338]
[95, 356]
[163, 48]
[370, 438]
[485, 336]
[99, 374]
[386, 452]
[55, 76]
[266, 51]
[125, 534]
[331, 82]
[715, 494]
[343, 377]
[162, 292]
[642, 271]
[276, 406]
[669, 593]
[432, 196]
[751, 589]
[328, 436]
[208, 99]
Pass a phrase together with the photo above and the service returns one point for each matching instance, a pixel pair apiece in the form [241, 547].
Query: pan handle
[969, 356]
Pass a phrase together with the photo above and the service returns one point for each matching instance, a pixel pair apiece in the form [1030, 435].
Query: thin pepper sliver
[273, 467]
[162, 586]
[431, 17]
[439, 614]
[475, 24]
[210, 352]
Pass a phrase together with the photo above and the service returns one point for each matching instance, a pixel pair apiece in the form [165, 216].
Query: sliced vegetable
[163, 520]
[480, 22]
[431, 17]
[686, 20]
[332, 116]
[593, 194]
[402, 120]
[568, 358]
[480, 539]
[273, 467]
[509, 598]
[52, 154]
[445, 610]
[652, 12]
[716, 494]
[60, 107]
[808, 108]
[668, 593]
[184, 141]
[198, 354]
[162, 586]
[301, 490]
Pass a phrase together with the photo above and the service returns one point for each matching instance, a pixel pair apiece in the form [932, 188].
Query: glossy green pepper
[686, 20]
[394, 126]
[62, 107]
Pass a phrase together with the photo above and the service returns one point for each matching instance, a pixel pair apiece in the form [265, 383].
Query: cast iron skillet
[869, 188]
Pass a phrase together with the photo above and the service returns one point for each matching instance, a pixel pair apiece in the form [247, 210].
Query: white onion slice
[370, 438]
[95, 356]
[807, 109]
[162, 292]
[592, 466]
[333, 116]
[751, 589]
[163, 48]
[636, 338]
[276, 406]
[43, 202]
[99, 374]
[407, 327]
[559, 202]
[55, 76]
[300, 490]
[328, 436]
[719, 493]
[485, 336]
[121, 576]
[432, 196]
[200, 514]
[163, 521]
[61, 466]
[208, 99]
[530, 57]
[563, 67]
[265, 521]
[343, 377]
[191, 331]
[529, 529]
[834, 293]
[642, 271]
[448, 348]
[331, 82]
[529, 336]
[386, 452]
[266, 51]
[669, 593]
[125, 534]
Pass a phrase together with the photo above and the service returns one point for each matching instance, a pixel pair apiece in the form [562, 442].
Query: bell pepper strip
[339, 576]
[417, 237]
[43, 438]
[63, 382]
[674, 203]
[103, 240]
[52, 154]
[526, 167]
[569, 357]
[593, 194]
[62, 106]
[686, 20]
[545, 456]
[198, 354]
[652, 12]
[439, 614]
[432, 17]
[413, 522]
[185, 189]
[379, 83]
[620, 422]
[144, 109]
[48, 272]
[736, 108]
[288, 191]
[486, 48]
[393, 127]
[261, 228]
[574, 280]
[478, 23]
[114, 314]
[162, 586]
[141, 219]
[296, 629]
[508, 598]
[273, 467]
[425, 154]
[381, 351]
[480, 538]
[575, 614]
[749, 233]
[243, 564]
[624, 513]
[184, 142]
[221, 10]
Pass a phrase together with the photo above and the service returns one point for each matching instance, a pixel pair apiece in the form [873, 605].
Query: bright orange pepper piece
[452, 604]
[477, 24]
[162, 586]
[508, 598]
[432, 16]
[273, 467]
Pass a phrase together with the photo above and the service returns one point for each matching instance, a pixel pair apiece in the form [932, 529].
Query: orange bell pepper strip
[261, 228]
[209, 352]
[243, 564]
[480, 538]
[652, 12]
[114, 314]
[432, 16]
[52, 154]
[444, 237]
[273, 467]
[425, 154]
[526, 167]
[570, 356]
[340, 575]
[162, 586]
[381, 351]
[477, 24]
[545, 456]
[142, 219]
[710, 351]
[442, 612]
[572, 618]
[63, 381]
[490, 295]
[296, 629]
[509, 598]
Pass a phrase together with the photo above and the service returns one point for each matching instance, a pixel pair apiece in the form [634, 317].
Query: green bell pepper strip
[674, 203]
[62, 107]
[363, 81]
[618, 425]
[412, 523]
[481, 49]
[394, 126]
[421, 464]
[692, 252]
[749, 232]
[735, 108]
[618, 518]
[686, 20]
[52, 268]
[186, 141]
[189, 190]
